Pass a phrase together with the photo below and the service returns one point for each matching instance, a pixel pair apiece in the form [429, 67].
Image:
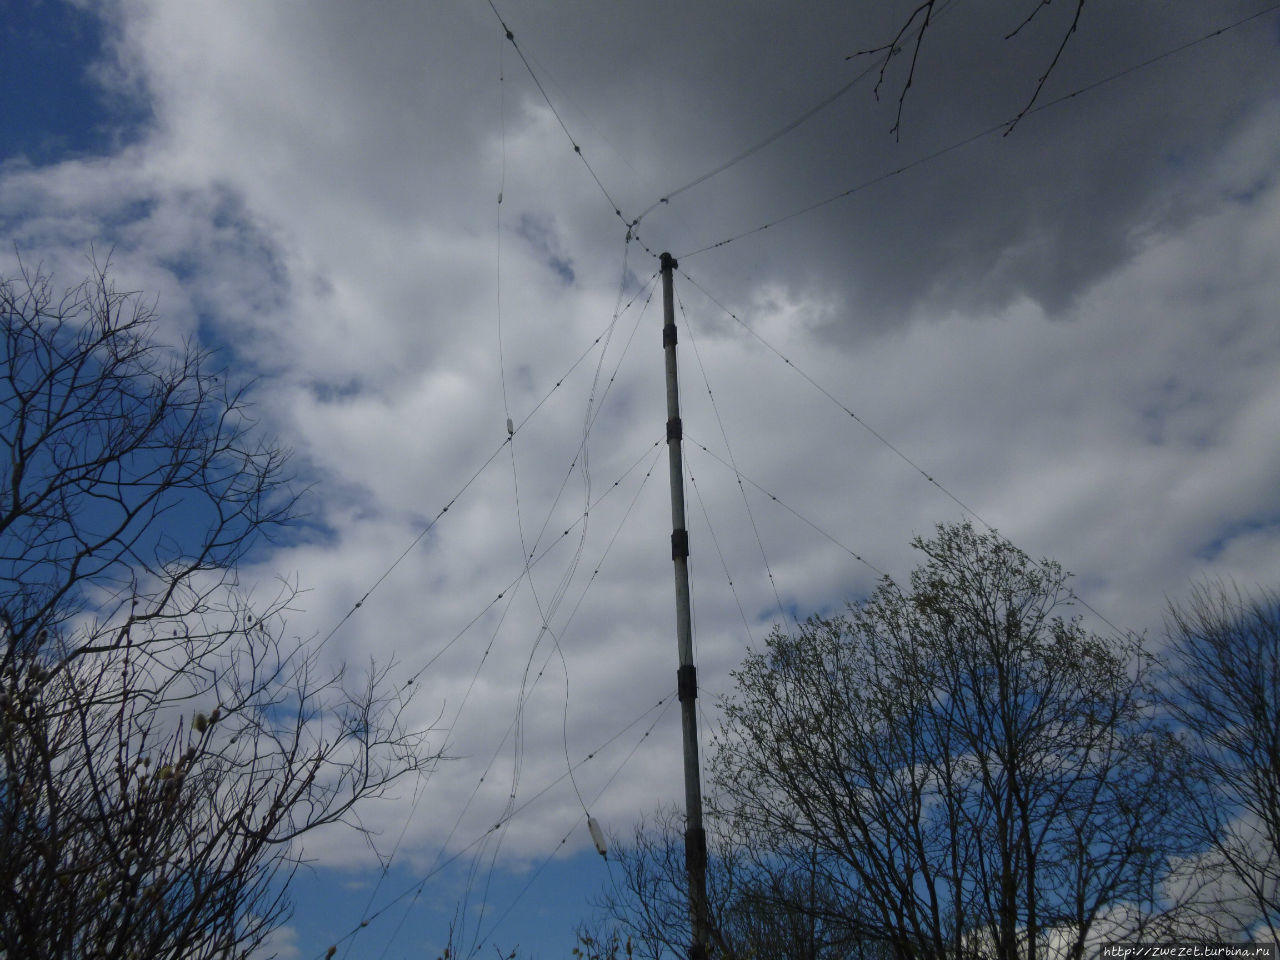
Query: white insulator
[597, 836]
[511, 427]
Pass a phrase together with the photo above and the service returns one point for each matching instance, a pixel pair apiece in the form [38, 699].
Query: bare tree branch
[162, 749]
[1057, 55]
[955, 770]
[917, 24]
[1226, 693]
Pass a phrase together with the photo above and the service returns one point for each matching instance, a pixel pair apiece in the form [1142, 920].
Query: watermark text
[1259, 950]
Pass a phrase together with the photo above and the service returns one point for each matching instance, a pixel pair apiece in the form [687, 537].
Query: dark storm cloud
[1069, 196]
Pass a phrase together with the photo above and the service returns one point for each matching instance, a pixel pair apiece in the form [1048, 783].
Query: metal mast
[695, 837]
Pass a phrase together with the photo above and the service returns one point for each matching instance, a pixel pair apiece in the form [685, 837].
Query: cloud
[540, 233]
[1222, 887]
[1071, 329]
[281, 943]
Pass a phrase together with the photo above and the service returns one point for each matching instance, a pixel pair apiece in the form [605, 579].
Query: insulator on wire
[597, 837]
[511, 427]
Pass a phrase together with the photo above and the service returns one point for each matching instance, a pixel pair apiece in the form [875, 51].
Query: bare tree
[780, 911]
[970, 773]
[647, 899]
[1226, 694]
[162, 748]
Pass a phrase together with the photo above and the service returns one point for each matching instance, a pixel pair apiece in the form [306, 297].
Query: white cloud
[282, 944]
[1071, 329]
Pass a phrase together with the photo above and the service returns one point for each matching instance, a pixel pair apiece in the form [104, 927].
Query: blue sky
[374, 210]
[57, 108]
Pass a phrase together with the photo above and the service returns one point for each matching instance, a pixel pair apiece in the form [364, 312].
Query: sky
[407, 230]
